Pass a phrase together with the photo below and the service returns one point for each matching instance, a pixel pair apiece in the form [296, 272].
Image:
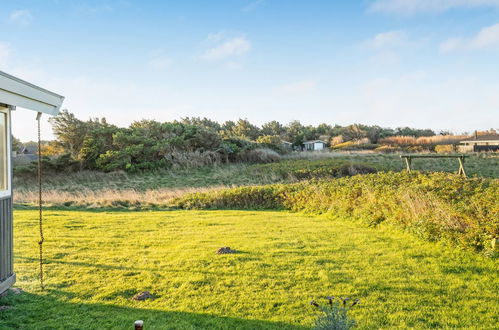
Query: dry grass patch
[128, 198]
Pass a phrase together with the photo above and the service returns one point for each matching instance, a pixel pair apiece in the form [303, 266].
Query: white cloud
[387, 39]
[451, 45]
[4, 54]
[215, 37]
[230, 48]
[487, 38]
[300, 87]
[411, 7]
[22, 17]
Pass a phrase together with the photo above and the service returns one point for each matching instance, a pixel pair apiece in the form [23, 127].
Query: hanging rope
[40, 201]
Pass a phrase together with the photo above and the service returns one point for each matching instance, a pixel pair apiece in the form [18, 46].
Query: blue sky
[420, 63]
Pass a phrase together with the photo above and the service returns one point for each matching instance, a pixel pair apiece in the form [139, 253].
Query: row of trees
[147, 144]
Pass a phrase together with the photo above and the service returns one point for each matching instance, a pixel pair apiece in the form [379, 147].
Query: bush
[57, 164]
[344, 145]
[436, 206]
[259, 156]
[305, 169]
[388, 149]
[444, 149]
[193, 159]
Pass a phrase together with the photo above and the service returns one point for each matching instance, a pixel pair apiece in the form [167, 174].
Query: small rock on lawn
[16, 290]
[225, 250]
[142, 296]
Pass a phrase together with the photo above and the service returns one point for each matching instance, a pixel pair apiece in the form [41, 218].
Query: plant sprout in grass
[334, 314]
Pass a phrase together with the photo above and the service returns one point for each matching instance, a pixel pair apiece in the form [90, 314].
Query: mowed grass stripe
[96, 261]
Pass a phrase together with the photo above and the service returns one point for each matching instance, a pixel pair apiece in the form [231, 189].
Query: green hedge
[436, 206]
[305, 169]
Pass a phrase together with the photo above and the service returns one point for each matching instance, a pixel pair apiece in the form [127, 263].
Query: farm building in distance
[480, 142]
[25, 155]
[314, 145]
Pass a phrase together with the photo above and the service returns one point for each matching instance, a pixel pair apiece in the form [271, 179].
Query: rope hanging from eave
[40, 201]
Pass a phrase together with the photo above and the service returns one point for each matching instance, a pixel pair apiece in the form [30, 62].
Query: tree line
[149, 144]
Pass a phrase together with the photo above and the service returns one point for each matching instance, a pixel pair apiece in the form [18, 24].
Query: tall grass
[107, 198]
[422, 141]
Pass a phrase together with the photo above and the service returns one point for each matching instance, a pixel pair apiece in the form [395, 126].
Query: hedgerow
[435, 206]
[304, 169]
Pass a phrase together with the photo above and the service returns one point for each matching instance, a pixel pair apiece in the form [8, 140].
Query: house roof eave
[19, 93]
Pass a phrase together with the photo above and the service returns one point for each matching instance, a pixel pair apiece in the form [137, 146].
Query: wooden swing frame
[461, 158]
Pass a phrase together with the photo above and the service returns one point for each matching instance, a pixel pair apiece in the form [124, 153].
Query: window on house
[3, 152]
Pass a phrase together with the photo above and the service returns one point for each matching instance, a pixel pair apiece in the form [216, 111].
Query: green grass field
[96, 261]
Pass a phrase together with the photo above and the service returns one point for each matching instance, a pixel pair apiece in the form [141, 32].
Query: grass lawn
[96, 261]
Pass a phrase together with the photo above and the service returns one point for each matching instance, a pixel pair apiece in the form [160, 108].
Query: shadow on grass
[129, 268]
[28, 207]
[53, 311]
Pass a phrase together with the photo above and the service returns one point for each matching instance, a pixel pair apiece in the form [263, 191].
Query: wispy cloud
[299, 87]
[487, 38]
[215, 37]
[21, 17]
[233, 47]
[411, 7]
[387, 39]
[253, 5]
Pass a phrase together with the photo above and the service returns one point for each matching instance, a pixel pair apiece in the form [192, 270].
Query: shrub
[436, 206]
[343, 145]
[305, 169]
[388, 149]
[50, 165]
[337, 140]
[193, 159]
[257, 197]
[259, 156]
[444, 149]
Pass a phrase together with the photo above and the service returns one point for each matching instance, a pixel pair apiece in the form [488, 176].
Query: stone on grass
[16, 290]
[142, 296]
[225, 250]
[3, 308]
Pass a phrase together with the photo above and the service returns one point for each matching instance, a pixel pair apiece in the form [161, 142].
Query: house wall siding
[6, 239]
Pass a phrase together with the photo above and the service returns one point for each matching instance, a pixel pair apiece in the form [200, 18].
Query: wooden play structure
[460, 158]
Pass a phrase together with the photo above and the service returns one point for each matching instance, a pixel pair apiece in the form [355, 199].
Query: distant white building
[287, 145]
[314, 145]
[480, 142]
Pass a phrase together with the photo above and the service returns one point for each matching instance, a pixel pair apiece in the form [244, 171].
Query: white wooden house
[314, 145]
[15, 93]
